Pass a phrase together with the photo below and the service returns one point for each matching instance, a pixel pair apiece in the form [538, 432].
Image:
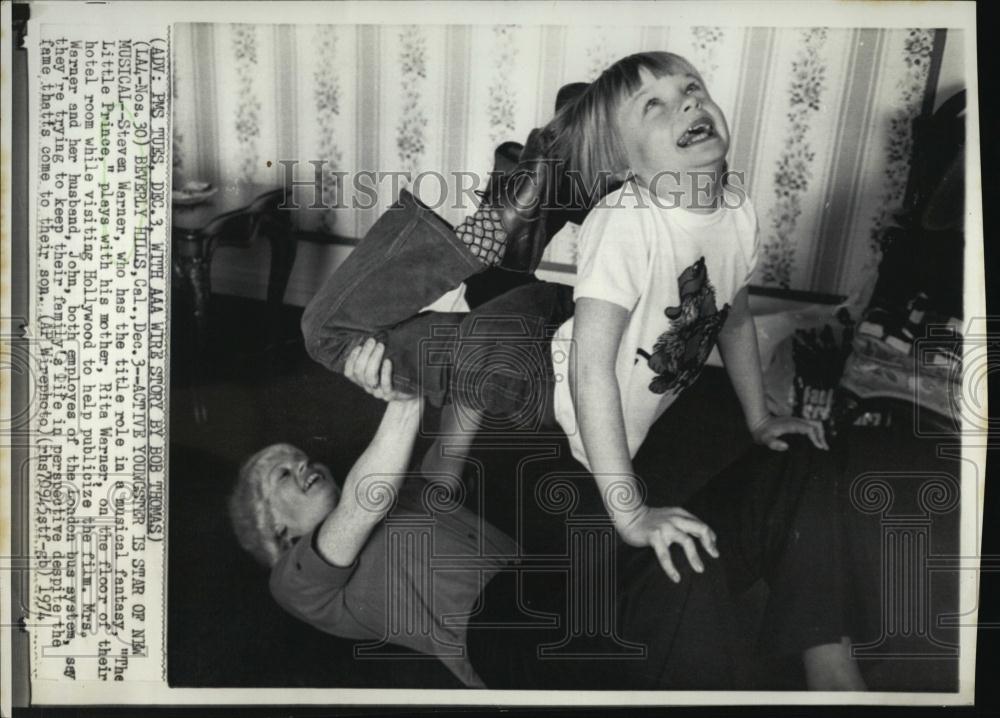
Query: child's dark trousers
[495, 359]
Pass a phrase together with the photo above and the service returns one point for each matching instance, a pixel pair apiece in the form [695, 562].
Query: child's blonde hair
[250, 511]
[584, 133]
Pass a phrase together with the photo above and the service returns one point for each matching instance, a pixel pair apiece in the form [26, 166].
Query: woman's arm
[376, 476]
[737, 343]
[597, 331]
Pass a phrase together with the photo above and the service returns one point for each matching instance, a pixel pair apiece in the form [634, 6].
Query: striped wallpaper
[820, 118]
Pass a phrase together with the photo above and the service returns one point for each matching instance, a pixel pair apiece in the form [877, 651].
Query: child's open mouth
[699, 131]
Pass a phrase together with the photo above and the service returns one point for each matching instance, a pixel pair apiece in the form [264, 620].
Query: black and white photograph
[465, 378]
[380, 355]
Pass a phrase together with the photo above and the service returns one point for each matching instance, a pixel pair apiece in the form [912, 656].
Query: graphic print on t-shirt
[680, 352]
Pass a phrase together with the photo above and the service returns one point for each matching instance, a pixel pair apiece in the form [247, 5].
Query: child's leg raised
[501, 369]
[495, 359]
[408, 259]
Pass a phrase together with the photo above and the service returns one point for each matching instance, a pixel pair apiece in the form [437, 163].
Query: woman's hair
[250, 512]
[584, 133]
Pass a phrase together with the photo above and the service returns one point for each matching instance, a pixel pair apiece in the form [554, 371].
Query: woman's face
[671, 124]
[301, 494]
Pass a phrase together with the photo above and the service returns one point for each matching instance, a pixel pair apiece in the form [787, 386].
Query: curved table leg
[195, 276]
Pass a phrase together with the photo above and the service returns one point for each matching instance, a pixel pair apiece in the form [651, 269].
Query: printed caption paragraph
[100, 340]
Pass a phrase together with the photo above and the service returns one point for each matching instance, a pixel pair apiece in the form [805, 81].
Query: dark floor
[225, 630]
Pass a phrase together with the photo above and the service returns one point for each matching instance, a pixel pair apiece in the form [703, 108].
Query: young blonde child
[662, 277]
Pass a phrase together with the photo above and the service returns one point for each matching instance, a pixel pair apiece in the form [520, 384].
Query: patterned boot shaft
[484, 235]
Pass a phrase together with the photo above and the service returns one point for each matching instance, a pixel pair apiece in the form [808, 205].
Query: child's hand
[768, 431]
[366, 368]
[658, 528]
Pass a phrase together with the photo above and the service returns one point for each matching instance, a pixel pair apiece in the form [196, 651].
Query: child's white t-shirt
[676, 272]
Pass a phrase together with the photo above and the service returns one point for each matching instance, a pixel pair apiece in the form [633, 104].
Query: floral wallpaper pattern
[794, 165]
[248, 107]
[178, 136]
[410, 140]
[910, 95]
[326, 95]
[599, 56]
[705, 41]
[503, 101]
[790, 112]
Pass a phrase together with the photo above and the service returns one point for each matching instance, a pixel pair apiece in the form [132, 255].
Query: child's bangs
[625, 76]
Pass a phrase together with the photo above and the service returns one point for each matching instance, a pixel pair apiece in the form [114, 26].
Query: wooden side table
[234, 216]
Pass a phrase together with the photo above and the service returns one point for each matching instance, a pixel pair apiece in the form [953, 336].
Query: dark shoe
[522, 203]
[508, 230]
